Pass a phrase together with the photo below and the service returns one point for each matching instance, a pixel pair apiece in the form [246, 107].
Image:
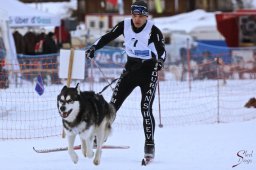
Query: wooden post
[70, 67]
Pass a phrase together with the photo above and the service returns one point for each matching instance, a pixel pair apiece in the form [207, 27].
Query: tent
[11, 59]
[21, 15]
[16, 14]
[198, 23]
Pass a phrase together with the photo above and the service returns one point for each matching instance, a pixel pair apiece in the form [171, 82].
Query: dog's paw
[84, 152]
[73, 157]
[96, 161]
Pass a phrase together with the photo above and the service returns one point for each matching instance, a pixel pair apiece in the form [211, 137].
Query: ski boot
[149, 150]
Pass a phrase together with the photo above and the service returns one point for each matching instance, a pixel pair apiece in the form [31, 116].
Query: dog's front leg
[83, 146]
[72, 153]
[96, 160]
[100, 140]
[89, 147]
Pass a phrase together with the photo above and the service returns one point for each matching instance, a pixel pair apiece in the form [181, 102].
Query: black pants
[143, 74]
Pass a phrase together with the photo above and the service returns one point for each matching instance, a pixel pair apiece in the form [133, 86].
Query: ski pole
[109, 83]
[159, 106]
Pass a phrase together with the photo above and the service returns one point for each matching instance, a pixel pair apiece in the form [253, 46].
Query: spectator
[30, 42]
[50, 62]
[63, 36]
[19, 42]
[39, 44]
[208, 67]
[49, 44]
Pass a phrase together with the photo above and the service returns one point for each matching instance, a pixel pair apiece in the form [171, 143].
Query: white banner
[78, 64]
[21, 21]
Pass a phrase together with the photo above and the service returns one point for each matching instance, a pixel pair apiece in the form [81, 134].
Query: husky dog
[88, 115]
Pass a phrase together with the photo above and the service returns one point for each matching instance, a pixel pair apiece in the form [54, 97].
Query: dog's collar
[72, 127]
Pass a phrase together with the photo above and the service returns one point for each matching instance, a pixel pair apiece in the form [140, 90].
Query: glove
[160, 64]
[90, 52]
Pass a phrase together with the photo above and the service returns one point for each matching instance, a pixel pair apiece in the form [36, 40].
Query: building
[40, 1]
[157, 8]
[166, 7]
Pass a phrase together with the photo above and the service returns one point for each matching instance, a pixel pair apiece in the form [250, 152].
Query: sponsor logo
[141, 52]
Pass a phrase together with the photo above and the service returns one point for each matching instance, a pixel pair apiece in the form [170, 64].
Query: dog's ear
[77, 85]
[64, 88]
[78, 88]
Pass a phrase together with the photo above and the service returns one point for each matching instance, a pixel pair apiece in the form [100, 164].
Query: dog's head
[68, 102]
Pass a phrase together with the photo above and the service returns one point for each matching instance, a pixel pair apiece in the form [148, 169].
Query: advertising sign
[111, 62]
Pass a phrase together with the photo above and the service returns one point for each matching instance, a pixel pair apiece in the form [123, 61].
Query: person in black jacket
[145, 48]
[49, 44]
[19, 42]
[50, 62]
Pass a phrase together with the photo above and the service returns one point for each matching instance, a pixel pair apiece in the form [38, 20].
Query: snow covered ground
[196, 147]
[179, 145]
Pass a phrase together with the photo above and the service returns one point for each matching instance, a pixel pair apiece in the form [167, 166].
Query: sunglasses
[139, 10]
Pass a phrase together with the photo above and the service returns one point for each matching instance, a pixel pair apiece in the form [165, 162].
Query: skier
[144, 45]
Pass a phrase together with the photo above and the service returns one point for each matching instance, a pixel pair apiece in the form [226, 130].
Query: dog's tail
[112, 111]
[251, 103]
[110, 117]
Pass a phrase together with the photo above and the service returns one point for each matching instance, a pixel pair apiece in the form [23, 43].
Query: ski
[147, 160]
[77, 147]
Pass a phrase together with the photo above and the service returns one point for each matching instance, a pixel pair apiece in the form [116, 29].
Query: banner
[22, 21]
[110, 58]
[78, 65]
[111, 62]
[158, 5]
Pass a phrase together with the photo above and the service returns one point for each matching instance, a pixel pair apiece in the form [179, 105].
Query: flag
[120, 7]
[158, 5]
[113, 2]
[39, 85]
